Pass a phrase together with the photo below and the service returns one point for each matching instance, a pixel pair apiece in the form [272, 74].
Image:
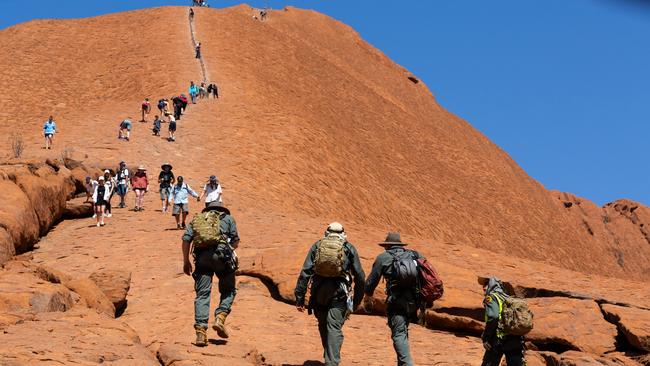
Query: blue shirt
[49, 128]
[180, 194]
[194, 89]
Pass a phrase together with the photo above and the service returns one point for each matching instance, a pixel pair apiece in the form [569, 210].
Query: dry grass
[17, 145]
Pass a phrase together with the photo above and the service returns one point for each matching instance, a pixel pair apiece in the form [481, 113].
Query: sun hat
[107, 171]
[166, 164]
[141, 167]
[101, 177]
[335, 227]
[392, 239]
[216, 206]
[213, 178]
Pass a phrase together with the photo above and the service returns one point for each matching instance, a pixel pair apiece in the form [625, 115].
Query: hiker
[203, 92]
[90, 189]
[495, 340]
[402, 303]
[179, 194]
[331, 265]
[49, 129]
[263, 14]
[194, 91]
[211, 191]
[165, 179]
[172, 129]
[213, 255]
[146, 108]
[178, 103]
[161, 105]
[183, 99]
[140, 185]
[110, 183]
[100, 198]
[123, 177]
[125, 129]
[156, 126]
[191, 13]
[198, 50]
[212, 89]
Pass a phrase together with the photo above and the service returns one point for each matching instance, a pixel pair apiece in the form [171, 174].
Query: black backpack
[405, 269]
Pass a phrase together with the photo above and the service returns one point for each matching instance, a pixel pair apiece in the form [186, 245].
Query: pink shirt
[139, 181]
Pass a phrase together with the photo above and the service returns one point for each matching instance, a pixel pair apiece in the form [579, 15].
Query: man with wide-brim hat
[402, 302]
[213, 255]
[166, 180]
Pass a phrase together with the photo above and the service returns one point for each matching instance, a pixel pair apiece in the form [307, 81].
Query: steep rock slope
[312, 122]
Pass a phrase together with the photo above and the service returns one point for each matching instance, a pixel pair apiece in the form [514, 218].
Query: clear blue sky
[562, 86]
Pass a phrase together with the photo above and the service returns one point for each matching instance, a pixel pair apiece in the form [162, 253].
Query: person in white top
[211, 191]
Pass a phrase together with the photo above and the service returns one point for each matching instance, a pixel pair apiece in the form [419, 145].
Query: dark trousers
[207, 264]
[330, 327]
[510, 346]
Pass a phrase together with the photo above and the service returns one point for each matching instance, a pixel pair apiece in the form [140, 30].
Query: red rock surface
[313, 124]
[633, 322]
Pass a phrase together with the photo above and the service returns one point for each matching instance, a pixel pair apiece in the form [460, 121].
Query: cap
[107, 171]
[335, 227]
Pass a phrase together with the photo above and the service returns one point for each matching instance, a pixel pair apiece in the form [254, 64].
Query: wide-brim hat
[216, 206]
[141, 167]
[166, 164]
[393, 239]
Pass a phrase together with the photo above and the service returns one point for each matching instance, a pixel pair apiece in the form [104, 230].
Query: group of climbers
[332, 270]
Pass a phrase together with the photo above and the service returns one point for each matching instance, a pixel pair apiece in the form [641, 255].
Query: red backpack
[431, 288]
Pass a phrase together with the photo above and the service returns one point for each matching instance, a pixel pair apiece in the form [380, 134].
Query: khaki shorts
[180, 206]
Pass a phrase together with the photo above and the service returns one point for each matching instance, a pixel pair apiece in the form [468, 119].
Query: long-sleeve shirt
[49, 128]
[193, 90]
[383, 266]
[139, 181]
[351, 265]
[180, 194]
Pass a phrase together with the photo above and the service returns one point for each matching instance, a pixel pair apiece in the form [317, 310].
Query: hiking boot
[220, 325]
[201, 337]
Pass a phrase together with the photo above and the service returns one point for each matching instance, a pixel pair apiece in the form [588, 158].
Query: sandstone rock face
[633, 322]
[79, 336]
[77, 209]
[92, 295]
[115, 285]
[577, 324]
[36, 193]
[574, 358]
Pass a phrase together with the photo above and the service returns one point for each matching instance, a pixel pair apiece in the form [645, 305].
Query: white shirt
[212, 194]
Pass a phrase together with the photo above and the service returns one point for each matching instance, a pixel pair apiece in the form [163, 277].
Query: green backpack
[330, 256]
[207, 230]
[516, 317]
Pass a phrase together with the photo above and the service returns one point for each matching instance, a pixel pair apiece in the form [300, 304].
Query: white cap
[107, 171]
[335, 227]
[101, 177]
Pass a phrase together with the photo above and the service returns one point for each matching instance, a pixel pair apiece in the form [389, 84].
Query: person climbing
[49, 129]
[263, 14]
[100, 198]
[179, 195]
[123, 181]
[146, 108]
[90, 189]
[402, 302]
[183, 99]
[331, 265]
[178, 106]
[125, 129]
[166, 179]
[191, 13]
[140, 184]
[214, 254]
[495, 340]
[198, 50]
[211, 191]
[194, 91]
[214, 90]
[203, 91]
[161, 105]
[110, 183]
[156, 126]
[172, 129]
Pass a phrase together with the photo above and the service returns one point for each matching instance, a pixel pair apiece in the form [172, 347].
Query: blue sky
[562, 86]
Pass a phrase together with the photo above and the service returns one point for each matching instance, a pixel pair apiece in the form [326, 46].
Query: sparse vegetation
[17, 144]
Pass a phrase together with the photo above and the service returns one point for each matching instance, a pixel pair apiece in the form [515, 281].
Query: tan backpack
[207, 230]
[330, 256]
[516, 317]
